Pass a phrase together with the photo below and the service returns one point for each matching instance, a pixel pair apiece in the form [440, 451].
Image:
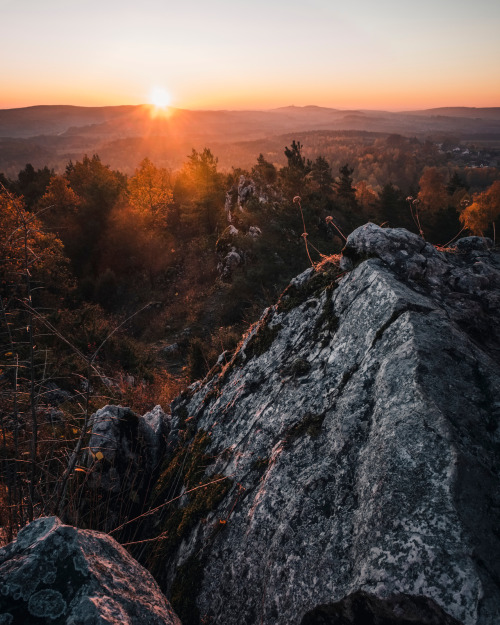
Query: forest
[125, 288]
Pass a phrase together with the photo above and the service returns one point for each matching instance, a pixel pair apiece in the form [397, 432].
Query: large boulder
[123, 437]
[123, 455]
[56, 574]
[356, 433]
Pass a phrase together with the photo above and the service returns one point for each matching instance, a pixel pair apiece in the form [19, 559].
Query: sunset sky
[392, 54]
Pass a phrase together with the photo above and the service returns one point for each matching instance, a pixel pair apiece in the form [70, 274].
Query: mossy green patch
[202, 502]
[183, 473]
[188, 463]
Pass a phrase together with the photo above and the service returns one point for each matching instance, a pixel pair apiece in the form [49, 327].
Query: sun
[159, 97]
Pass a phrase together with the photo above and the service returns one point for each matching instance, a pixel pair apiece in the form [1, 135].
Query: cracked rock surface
[54, 573]
[358, 424]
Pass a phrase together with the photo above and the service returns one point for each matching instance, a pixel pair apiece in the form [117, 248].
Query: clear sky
[393, 54]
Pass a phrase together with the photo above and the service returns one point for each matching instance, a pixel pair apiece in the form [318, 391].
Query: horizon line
[246, 109]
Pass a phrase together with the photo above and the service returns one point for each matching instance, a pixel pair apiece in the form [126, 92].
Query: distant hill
[52, 135]
[39, 120]
[462, 111]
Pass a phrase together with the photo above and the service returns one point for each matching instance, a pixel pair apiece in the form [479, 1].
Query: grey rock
[223, 357]
[255, 232]
[121, 435]
[109, 435]
[246, 190]
[237, 197]
[229, 253]
[53, 415]
[357, 425]
[55, 573]
[171, 350]
[124, 452]
[472, 244]
[52, 394]
[228, 264]
[154, 427]
[229, 203]
[111, 384]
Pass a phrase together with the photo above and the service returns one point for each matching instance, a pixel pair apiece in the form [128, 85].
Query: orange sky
[222, 54]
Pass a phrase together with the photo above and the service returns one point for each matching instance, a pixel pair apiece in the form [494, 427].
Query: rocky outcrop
[54, 573]
[123, 456]
[120, 435]
[356, 432]
[229, 253]
[238, 196]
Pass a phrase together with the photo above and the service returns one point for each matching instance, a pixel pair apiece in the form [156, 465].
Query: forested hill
[492, 112]
[51, 135]
[53, 120]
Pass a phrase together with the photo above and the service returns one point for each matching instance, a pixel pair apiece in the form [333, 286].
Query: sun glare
[160, 97]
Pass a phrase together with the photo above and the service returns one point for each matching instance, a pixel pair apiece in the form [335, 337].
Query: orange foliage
[432, 194]
[483, 211]
[150, 191]
[26, 247]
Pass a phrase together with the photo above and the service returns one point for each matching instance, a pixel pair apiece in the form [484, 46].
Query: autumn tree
[27, 249]
[432, 195]
[58, 209]
[484, 211]
[150, 192]
[438, 218]
[366, 199]
[33, 278]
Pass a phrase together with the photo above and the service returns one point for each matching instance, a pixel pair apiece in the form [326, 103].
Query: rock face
[357, 427]
[54, 573]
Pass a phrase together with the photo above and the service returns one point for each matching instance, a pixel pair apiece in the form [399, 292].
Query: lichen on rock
[57, 574]
[358, 423]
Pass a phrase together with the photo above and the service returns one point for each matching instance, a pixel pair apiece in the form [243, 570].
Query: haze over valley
[124, 135]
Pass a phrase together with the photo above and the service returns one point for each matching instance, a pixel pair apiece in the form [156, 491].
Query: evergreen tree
[346, 197]
[98, 189]
[264, 173]
[456, 182]
[32, 184]
[293, 176]
[200, 191]
[343, 185]
[321, 173]
[392, 207]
